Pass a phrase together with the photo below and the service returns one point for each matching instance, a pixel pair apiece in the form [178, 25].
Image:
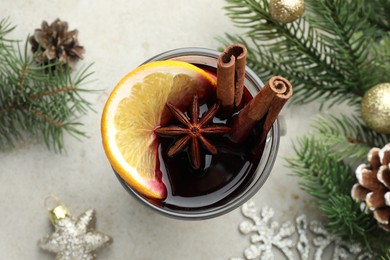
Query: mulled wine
[220, 176]
[200, 170]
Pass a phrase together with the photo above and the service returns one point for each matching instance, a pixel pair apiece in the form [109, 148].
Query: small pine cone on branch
[53, 43]
[373, 185]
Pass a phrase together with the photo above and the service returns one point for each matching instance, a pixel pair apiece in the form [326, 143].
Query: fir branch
[53, 92]
[292, 50]
[322, 172]
[5, 28]
[38, 99]
[330, 181]
[325, 54]
[346, 218]
[379, 14]
[333, 54]
[349, 37]
[349, 137]
[383, 52]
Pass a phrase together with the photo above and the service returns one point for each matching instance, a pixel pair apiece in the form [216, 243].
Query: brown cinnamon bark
[230, 78]
[249, 116]
[276, 106]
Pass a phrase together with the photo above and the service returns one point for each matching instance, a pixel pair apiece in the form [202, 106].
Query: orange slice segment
[135, 108]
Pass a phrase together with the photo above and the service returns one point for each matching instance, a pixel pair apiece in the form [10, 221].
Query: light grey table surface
[119, 35]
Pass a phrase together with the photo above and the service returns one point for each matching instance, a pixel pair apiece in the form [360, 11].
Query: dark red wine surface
[221, 177]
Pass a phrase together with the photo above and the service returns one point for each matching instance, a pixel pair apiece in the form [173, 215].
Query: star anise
[193, 130]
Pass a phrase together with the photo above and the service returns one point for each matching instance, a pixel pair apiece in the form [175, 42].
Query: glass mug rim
[238, 200]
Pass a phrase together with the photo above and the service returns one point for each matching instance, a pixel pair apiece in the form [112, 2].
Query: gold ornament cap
[375, 108]
[56, 209]
[286, 11]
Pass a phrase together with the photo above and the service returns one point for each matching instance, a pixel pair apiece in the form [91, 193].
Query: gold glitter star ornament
[286, 11]
[73, 238]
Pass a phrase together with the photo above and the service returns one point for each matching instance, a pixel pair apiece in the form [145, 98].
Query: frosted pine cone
[373, 185]
[54, 43]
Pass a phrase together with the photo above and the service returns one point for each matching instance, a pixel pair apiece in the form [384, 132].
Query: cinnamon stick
[272, 96]
[230, 78]
[276, 106]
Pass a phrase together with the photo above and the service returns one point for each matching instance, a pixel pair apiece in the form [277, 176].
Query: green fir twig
[38, 99]
[333, 54]
[329, 180]
[5, 28]
[349, 137]
[383, 51]
[379, 15]
[328, 54]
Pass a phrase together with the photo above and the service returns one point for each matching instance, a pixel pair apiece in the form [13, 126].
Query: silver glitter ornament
[73, 238]
[286, 11]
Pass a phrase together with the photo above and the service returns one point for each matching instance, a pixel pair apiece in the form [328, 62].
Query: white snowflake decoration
[292, 240]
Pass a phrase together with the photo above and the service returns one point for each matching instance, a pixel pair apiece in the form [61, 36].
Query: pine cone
[54, 43]
[373, 185]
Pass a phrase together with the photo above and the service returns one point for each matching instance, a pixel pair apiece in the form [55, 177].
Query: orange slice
[136, 107]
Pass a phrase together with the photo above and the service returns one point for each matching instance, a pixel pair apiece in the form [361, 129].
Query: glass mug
[208, 58]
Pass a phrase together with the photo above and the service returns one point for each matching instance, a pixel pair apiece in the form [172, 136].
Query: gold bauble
[375, 108]
[286, 11]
